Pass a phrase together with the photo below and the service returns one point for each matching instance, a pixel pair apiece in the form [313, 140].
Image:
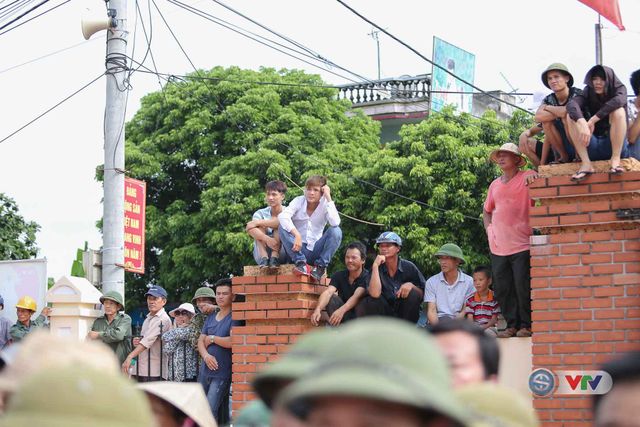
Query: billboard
[20, 278]
[135, 197]
[446, 89]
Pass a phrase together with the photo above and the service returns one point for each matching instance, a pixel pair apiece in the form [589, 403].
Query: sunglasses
[182, 313]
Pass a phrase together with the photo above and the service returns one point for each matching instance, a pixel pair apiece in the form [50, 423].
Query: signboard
[135, 196]
[446, 89]
[20, 278]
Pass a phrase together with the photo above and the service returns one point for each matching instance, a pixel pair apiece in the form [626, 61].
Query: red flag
[607, 8]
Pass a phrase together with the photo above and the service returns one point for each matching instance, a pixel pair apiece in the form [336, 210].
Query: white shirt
[449, 299]
[309, 227]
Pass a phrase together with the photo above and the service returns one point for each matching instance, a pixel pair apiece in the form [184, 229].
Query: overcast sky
[49, 167]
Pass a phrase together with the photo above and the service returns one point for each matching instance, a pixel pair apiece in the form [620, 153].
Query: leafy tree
[17, 236]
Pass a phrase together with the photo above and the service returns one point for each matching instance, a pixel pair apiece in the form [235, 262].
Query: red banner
[135, 197]
[607, 8]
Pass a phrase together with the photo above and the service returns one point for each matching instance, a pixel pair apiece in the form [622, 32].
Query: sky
[48, 168]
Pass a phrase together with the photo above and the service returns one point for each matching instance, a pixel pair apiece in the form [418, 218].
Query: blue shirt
[449, 299]
[264, 213]
[219, 328]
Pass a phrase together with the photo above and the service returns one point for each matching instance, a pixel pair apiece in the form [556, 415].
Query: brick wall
[585, 284]
[276, 312]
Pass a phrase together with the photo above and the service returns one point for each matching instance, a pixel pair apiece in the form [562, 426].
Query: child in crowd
[634, 125]
[263, 227]
[482, 307]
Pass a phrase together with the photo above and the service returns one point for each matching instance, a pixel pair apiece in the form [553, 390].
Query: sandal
[618, 170]
[580, 176]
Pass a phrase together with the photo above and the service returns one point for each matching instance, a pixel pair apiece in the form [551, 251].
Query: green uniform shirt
[19, 331]
[116, 334]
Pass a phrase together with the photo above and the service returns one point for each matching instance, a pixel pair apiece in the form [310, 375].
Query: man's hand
[93, 335]
[297, 243]
[336, 317]
[531, 178]
[135, 341]
[252, 224]
[584, 132]
[404, 290]
[126, 365]
[326, 192]
[592, 123]
[315, 318]
[380, 259]
[272, 243]
[207, 308]
[211, 362]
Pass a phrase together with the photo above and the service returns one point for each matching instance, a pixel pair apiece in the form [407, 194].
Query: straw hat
[187, 397]
[508, 147]
[186, 306]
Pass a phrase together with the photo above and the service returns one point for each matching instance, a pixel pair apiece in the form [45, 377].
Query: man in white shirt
[302, 226]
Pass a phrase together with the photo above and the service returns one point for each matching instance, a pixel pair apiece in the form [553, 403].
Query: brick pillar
[585, 273]
[276, 312]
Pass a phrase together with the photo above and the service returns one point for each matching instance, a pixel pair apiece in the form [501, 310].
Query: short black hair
[225, 281]
[635, 82]
[489, 350]
[624, 369]
[278, 186]
[360, 247]
[483, 269]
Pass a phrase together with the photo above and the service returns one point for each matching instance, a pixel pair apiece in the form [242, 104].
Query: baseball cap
[156, 291]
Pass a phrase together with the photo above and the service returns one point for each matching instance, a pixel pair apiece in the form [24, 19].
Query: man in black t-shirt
[346, 289]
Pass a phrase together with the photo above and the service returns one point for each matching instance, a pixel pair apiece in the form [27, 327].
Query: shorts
[568, 146]
[600, 148]
[634, 150]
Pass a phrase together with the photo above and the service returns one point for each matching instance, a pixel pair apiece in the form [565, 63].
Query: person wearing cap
[633, 135]
[346, 289]
[151, 366]
[302, 228]
[373, 377]
[5, 326]
[598, 121]
[446, 292]
[183, 364]
[263, 227]
[552, 114]
[176, 404]
[204, 300]
[114, 328]
[495, 405]
[214, 346]
[25, 308]
[396, 287]
[619, 406]
[506, 220]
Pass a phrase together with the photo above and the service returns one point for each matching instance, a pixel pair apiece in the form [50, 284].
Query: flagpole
[599, 42]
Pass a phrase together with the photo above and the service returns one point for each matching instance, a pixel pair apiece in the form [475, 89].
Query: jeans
[322, 251]
[216, 389]
[512, 288]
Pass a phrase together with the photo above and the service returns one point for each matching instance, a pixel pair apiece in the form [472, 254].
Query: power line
[23, 14]
[31, 19]
[52, 108]
[427, 59]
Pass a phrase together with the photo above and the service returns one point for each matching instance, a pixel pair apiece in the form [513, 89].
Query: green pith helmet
[496, 405]
[452, 250]
[557, 66]
[77, 397]
[375, 358]
[203, 292]
[113, 296]
[302, 356]
[253, 414]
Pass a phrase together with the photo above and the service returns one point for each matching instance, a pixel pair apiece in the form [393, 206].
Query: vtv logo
[583, 382]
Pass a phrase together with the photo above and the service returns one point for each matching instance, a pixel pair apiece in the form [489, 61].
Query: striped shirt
[482, 311]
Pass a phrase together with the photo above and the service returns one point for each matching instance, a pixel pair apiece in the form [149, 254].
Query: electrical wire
[32, 18]
[51, 108]
[24, 14]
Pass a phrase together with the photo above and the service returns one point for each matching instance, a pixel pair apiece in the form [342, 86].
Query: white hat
[508, 147]
[187, 397]
[184, 306]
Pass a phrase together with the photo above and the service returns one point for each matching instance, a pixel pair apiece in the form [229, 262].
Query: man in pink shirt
[506, 220]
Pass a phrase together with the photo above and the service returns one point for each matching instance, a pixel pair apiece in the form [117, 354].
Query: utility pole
[374, 34]
[113, 203]
[599, 42]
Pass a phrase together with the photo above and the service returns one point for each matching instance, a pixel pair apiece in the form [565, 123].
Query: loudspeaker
[92, 22]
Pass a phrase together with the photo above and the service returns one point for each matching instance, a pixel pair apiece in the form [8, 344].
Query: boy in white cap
[506, 220]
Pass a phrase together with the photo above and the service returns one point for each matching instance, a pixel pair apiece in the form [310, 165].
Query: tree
[17, 236]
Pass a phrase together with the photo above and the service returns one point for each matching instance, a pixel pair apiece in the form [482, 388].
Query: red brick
[266, 305]
[536, 193]
[564, 238]
[623, 347]
[577, 315]
[599, 347]
[544, 272]
[299, 314]
[544, 250]
[244, 349]
[609, 291]
[263, 349]
[596, 280]
[610, 335]
[238, 315]
[264, 330]
[565, 304]
[243, 280]
[537, 283]
[238, 358]
[597, 325]
[626, 279]
[293, 330]
[596, 259]
[256, 358]
[293, 304]
[545, 294]
[611, 187]
[541, 327]
[278, 287]
[538, 183]
[632, 234]
[609, 314]
[278, 339]
[632, 267]
[573, 190]
[575, 270]
[594, 236]
[600, 205]
[574, 219]
[241, 306]
[547, 403]
[625, 204]
[577, 293]
[564, 282]
[581, 248]
[237, 339]
[604, 217]
[565, 260]
[566, 326]
[633, 336]
[266, 279]
[632, 290]
[632, 313]
[255, 289]
[277, 314]
[541, 221]
[633, 185]
[540, 349]
[547, 338]
[578, 337]
[546, 360]
[580, 403]
[564, 208]
[238, 378]
[255, 314]
[537, 210]
[627, 257]
[566, 348]
[243, 330]
[293, 278]
[538, 261]
[302, 287]
[608, 269]
[577, 360]
[597, 303]
[256, 339]
[538, 316]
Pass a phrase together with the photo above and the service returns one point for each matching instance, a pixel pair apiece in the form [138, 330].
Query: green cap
[301, 357]
[253, 414]
[452, 250]
[376, 358]
[497, 405]
[113, 296]
[77, 397]
[203, 292]
[557, 66]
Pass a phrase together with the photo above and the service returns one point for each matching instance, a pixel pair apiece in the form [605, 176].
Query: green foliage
[206, 149]
[17, 236]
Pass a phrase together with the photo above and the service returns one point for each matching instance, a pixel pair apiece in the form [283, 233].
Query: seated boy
[598, 121]
[634, 125]
[482, 307]
[264, 226]
[302, 228]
